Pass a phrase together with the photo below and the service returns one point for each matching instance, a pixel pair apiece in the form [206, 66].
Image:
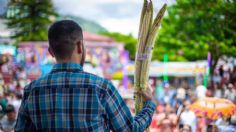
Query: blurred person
[221, 71]
[6, 67]
[233, 77]
[211, 128]
[218, 91]
[21, 73]
[153, 125]
[188, 117]
[189, 93]
[159, 91]
[69, 99]
[193, 98]
[1, 85]
[172, 96]
[8, 122]
[9, 95]
[17, 102]
[209, 121]
[216, 77]
[221, 120]
[167, 120]
[185, 128]
[201, 91]
[225, 74]
[166, 96]
[22, 84]
[3, 101]
[181, 95]
[201, 124]
[230, 93]
[231, 127]
[210, 92]
[233, 73]
[180, 108]
[12, 85]
[18, 87]
[1, 79]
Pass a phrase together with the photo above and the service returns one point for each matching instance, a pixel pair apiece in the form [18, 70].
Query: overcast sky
[115, 15]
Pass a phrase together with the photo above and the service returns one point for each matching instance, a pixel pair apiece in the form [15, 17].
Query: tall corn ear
[157, 21]
[146, 38]
[144, 31]
[141, 29]
[150, 43]
[144, 51]
[144, 8]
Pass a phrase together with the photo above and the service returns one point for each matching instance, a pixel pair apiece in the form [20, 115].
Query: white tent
[178, 69]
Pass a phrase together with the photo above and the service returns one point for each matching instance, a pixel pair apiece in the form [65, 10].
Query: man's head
[66, 42]
[185, 128]
[11, 113]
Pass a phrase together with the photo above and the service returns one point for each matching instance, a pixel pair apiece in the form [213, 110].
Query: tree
[193, 28]
[30, 19]
[129, 41]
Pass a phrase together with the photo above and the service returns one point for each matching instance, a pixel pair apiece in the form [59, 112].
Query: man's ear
[79, 47]
[51, 52]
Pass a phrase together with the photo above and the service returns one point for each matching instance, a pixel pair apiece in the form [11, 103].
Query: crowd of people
[12, 81]
[172, 113]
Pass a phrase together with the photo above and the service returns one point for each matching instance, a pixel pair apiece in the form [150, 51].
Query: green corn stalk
[150, 44]
[147, 35]
[143, 35]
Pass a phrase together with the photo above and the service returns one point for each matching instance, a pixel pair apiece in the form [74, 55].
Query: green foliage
[30, 19]
[194, 27]
[129, 41]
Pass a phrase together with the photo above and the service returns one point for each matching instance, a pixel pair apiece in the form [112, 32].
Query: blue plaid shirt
[69, 99]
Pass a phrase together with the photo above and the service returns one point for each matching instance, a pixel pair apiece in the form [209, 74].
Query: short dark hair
[62, 36]
[10, 108]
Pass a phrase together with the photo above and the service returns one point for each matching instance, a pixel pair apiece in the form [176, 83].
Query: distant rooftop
[96, 38]
[90, 39]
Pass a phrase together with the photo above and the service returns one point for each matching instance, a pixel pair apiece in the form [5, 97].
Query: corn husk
[147, 35]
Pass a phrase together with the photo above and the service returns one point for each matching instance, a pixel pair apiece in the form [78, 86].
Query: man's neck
[66, 61]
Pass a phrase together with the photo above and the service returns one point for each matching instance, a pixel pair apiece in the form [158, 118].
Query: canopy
[178, 69]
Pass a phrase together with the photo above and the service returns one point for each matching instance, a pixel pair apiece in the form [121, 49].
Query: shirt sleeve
[24, 122]
[120, 117]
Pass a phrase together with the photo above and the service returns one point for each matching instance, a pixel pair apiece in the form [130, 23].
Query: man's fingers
[150, 88]
[147, 94]
[139, 93]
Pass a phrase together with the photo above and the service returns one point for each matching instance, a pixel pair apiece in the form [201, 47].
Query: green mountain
[87, 25]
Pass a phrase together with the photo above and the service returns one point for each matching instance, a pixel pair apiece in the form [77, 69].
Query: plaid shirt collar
[69, 67]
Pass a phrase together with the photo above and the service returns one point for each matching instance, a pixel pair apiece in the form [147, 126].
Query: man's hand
[147, 95]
